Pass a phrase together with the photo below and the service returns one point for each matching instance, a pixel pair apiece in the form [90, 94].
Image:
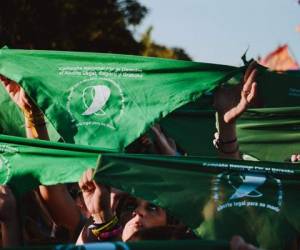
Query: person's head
[137, 214]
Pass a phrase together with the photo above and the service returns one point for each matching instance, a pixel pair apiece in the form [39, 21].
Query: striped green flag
[104, 99]
[216, 198]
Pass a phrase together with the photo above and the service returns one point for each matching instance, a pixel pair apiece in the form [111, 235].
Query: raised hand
[231, 102]
[96, 197]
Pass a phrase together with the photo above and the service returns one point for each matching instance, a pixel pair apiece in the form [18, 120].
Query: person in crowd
[119, 216]
[141, 219]
[230, 103]
[48, 200]
[98, 198]
[55, 200]
[62, 208]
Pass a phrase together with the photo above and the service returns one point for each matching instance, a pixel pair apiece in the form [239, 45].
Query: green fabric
[269, 133]
[12, 119]
[27, 163]
[272, 132]
[144, 90]
[192, 127]
[216, 198]
[278, 90]
[104, 99]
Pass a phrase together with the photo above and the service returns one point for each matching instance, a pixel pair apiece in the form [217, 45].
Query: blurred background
[200, 30]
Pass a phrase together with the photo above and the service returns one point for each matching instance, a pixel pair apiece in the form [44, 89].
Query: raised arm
[230, 103]
[165, 145]
[56, 198]
[101, 202]
[34, 119]
[10, 230]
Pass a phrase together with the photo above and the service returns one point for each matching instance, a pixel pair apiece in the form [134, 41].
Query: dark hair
[171, 220]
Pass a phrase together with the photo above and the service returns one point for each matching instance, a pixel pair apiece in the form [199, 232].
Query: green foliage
[77, 25]
[85, 25]
[132, 11]
[150, 48]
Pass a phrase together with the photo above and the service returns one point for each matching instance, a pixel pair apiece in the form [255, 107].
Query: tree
[85, 25]
[150, 48]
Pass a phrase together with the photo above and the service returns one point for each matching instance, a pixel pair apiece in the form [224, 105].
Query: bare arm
[34, 119]
[97, 200]
[100, 201]
[56, 198]
[61, 206]
[230, 104]
[166, 146]
[11, 235]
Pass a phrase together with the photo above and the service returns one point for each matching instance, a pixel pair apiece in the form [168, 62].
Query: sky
[219, 31]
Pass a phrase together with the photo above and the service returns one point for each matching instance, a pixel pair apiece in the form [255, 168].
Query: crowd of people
[92, 212]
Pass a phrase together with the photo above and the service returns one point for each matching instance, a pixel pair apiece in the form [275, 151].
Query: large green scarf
[108, 100]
